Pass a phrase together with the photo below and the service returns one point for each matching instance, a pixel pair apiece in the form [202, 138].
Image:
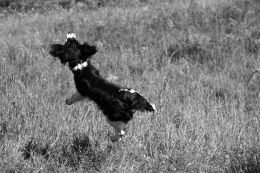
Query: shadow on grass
[32, 147]
[247, 161]
[78, 153]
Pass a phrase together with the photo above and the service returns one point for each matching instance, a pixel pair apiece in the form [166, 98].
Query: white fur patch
[131, 90]
[80, 66]
[153, 105]
[122, 132]
[71, 35]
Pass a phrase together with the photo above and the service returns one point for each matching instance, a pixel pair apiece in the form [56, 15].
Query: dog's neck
[78, 65]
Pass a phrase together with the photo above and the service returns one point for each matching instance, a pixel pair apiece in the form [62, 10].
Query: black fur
[116, 102]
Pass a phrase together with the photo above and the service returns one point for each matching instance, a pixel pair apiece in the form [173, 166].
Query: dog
[117, 103]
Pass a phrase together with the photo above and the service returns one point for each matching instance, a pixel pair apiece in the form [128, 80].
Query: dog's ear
[87, 50]
[57, 50]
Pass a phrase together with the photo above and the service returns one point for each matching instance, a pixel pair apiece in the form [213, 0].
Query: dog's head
[72, 50]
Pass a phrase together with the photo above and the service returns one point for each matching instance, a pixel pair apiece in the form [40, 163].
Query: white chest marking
[80, 66]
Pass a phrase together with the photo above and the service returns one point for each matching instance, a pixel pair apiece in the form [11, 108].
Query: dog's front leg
[74, 98]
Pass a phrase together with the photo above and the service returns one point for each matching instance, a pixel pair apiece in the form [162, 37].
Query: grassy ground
[196, 60]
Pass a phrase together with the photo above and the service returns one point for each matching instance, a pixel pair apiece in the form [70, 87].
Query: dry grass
[197, 63]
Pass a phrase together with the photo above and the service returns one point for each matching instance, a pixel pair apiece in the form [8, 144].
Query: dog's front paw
[68, 102]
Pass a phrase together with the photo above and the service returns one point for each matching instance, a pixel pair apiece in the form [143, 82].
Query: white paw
[122, 132]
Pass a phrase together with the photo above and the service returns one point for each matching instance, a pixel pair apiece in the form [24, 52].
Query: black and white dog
[116, 102]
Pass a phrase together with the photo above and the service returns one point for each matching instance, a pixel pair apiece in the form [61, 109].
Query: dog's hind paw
[68, 102]
[115, 138]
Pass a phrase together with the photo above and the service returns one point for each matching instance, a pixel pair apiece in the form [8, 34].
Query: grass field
[197, 61]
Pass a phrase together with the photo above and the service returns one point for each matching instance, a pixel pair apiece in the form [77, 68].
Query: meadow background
[197, 60]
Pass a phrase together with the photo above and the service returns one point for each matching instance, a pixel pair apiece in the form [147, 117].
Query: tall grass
[196, 61]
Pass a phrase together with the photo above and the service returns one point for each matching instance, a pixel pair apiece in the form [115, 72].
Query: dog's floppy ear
[56, 50]
[88, 50]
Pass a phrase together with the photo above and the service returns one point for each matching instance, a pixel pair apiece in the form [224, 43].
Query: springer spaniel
[117, 103]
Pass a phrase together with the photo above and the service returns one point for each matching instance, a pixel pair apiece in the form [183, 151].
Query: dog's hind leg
[74, 98]
[120, 130]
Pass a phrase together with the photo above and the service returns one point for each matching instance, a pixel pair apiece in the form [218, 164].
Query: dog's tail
[136, 101]
[144, 105]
